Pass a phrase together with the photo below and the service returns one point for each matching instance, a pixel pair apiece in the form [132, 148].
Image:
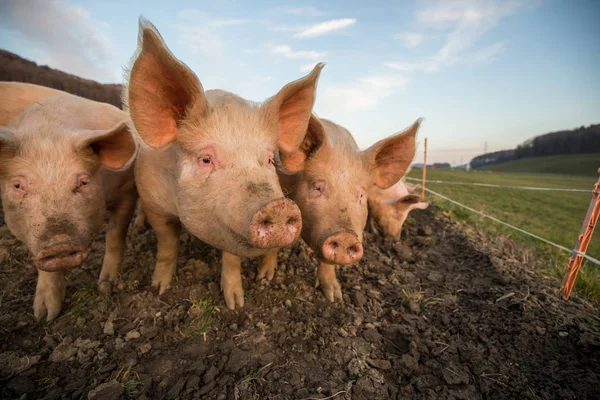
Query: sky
[483, 74]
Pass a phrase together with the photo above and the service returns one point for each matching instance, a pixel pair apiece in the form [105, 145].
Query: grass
[202, 313]
[555, 216]
[83, 300]
[577, 164]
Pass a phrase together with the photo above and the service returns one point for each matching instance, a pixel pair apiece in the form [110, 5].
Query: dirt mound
[437, 315]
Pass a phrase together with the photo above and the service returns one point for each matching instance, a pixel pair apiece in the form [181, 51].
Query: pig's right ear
[313, 140]
[161, 90]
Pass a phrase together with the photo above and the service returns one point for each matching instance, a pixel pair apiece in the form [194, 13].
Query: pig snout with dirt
[65, 161]
[331, 190]
[389, 207]
[209, 163]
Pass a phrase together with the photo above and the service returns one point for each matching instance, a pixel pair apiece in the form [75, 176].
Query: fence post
[583, 241]
[424, 170]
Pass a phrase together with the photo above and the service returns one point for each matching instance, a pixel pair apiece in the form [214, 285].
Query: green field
[555, 216]
[579, 165]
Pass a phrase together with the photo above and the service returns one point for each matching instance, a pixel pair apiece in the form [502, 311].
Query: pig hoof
[234, 294]
[105, 287]
[46, 305]
[161, 284]
[331, 289]
[265, 273]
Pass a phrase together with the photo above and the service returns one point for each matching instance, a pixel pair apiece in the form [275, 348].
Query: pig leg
[231, 280]
[267, 265]
[329, 284]
[49, 294]
[116, 233]
[140, 220]
[167, 232]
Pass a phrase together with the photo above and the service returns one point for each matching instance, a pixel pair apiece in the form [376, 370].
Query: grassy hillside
[556, 216]
[579, 165]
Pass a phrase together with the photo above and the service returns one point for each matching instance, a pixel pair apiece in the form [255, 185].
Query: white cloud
[287, 52]
[410, 40]
[198, 39]
[307, 67]
[325, 27]
[66, 34]
[304, 11]
[486, 54]
[366, 94]
[200, 31]
[228, 22]
[406, 66]
[266, 78]
[467, 21]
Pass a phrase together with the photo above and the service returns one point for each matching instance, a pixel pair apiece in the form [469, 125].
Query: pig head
[209, 159]
[390, 207]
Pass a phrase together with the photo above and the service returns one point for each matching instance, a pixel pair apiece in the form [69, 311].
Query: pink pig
[390, 207]
[64, 162]
[209, 161]
[330, 186]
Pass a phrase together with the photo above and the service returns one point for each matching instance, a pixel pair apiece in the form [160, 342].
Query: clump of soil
[439, 314]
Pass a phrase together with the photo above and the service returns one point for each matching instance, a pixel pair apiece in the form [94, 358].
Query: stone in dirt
[63, 352]
[12, 364]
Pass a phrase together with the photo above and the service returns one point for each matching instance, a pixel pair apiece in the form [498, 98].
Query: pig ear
[292, 108]
[410, 202]
[115, 146]
[390, 158]
[313, 140]
[8, 141]
[161, 90]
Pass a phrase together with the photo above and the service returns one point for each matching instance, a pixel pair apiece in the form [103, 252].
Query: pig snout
[277, 224]
[60, 254]
[342, 248]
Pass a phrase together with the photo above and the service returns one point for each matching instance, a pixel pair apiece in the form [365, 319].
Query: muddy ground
[443, 313]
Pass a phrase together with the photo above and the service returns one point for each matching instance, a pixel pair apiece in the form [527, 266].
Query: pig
[64, 162]
[389, 208]
[331, 188]
[18, 96]
[208, 162]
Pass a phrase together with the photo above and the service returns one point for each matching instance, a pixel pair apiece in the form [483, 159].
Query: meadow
[555, 216]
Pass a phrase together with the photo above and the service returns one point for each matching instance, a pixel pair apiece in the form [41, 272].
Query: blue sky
[477, 70]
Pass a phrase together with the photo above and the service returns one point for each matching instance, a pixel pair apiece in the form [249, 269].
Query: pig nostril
[353, 249]
[334, 245]
[292, 221]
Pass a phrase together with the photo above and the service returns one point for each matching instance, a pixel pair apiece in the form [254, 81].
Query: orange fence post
[424, 170]
[583, 241]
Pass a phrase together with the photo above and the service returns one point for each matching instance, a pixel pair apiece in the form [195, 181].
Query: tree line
[577, 141]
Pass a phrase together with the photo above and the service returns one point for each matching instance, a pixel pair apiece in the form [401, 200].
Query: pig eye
[271, 161]
[82, 182]
[317, 188]
[206, 160]
[19, 186]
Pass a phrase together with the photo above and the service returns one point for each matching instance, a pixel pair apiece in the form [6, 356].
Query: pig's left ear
[292, 108]
[390, 158]
[115, 146]
[410, 202]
